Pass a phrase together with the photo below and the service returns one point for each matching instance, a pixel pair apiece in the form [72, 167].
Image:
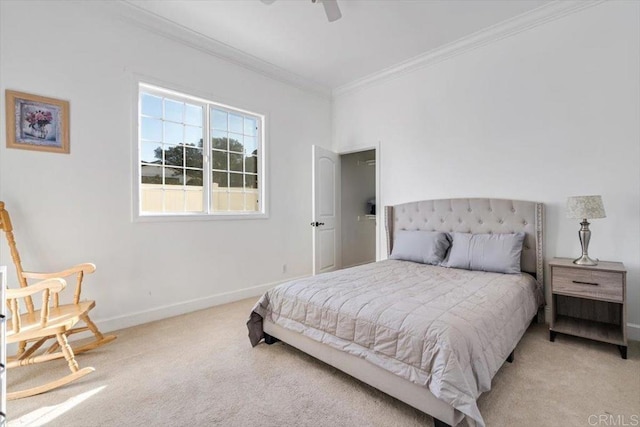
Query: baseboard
[633, 331]
[357, 264]
[163, 312]
[171, 310]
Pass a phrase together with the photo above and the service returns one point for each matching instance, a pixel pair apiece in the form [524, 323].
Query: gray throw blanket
[446, 329]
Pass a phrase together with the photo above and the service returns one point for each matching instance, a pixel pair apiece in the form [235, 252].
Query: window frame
[185, 95]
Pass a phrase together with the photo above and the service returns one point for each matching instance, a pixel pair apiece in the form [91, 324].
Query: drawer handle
[584, 283]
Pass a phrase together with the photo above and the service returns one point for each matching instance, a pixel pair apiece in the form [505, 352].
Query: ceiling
[295, 36]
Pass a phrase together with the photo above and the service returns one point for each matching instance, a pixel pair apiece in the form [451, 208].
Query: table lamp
[585, 207]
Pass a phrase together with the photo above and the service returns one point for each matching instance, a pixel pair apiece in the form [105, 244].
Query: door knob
[316, 224]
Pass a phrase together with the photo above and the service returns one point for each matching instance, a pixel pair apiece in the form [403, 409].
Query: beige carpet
[199, 370]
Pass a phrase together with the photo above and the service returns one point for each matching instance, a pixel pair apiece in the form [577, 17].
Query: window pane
[173, 133]
[151, 105]
[249, 126]
[151, 152]
[152, 198]
[235, 162]
[193, 157]
[173, 176]
[251, 201]
[219, 160]
[194, 178]
[236, 201]
[250, 145]
[220, 201]
[219, 139]
[235, 143]
[219, 119]
[235, 123]
[251, 181]
[174, 200]
[251, 164]
[151, 174]
[193, 136]
[220, 180]
[235, 180]
[173, 155]
[151, 129]
[193, 115]
[173, 110]
[193, 201]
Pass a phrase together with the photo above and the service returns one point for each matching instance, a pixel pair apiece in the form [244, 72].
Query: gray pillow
[426, 247]
[499, 253]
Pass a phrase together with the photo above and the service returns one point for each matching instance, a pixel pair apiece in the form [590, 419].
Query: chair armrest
[47, 287]
[86, 268]
[54, 285]
[79, 270]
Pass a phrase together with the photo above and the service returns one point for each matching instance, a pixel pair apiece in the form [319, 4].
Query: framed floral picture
[37, 123]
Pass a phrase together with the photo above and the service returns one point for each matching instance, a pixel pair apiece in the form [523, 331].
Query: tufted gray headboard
[475, 216]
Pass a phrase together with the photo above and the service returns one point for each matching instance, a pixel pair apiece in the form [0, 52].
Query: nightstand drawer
[588, 283]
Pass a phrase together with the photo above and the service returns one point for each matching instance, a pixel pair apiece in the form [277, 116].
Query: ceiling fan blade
[267, 1]
[331, 9]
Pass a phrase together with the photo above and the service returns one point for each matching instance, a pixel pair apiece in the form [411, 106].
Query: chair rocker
[79, 271]
[39, 326]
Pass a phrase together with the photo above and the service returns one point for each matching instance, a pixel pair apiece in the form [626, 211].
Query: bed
[430, 336]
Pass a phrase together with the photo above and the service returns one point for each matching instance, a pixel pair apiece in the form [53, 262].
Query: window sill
[197, 217]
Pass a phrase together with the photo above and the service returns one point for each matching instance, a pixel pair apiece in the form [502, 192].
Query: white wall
[75, 208]
[358, 183]
[548, 113]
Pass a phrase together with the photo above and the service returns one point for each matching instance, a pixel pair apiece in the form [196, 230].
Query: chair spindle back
[5, 225]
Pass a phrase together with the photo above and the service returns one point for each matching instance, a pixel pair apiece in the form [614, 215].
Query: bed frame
[448, 215]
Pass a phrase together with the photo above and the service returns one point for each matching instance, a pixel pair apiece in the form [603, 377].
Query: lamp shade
[585, 207]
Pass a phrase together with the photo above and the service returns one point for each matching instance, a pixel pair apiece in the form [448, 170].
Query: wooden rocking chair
[38, 327]
[79, 271]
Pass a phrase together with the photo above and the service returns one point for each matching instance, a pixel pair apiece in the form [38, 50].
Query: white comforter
[449, 330]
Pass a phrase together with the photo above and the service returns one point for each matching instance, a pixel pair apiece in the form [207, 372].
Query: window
[198, 157]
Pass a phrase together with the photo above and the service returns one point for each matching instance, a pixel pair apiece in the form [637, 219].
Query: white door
[326, 208]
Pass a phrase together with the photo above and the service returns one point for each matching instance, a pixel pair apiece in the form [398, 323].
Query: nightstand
[589, 301]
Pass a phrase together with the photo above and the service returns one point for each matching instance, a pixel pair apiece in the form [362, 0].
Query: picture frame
[37, 123]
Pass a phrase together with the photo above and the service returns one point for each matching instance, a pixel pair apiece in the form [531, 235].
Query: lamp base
[585, 260]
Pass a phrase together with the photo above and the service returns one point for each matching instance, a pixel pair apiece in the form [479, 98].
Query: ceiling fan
[330, 8]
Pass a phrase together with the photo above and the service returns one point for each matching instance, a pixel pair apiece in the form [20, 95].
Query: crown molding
[157, 24]
[526, 21]
[142, 18]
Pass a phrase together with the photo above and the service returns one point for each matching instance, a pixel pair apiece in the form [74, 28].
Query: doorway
[346, 211]
[358, 207]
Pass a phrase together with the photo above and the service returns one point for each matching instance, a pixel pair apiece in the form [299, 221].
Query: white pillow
[499, 253]
[426, 247]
